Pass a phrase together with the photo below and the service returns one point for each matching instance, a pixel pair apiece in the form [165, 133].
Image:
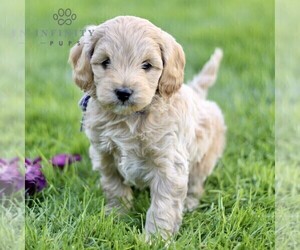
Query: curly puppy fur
[161, 134]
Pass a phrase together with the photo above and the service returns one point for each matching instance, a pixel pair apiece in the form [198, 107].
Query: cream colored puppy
[145, 127]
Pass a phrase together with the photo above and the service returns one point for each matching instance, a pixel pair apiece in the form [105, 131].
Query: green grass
[237, 209]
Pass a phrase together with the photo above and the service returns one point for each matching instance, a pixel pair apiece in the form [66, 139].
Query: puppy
[146, 128]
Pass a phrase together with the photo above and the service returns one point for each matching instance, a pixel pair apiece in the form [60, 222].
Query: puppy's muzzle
[123, 94]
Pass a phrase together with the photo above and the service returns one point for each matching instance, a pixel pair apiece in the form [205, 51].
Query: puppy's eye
[105, 63]
[146, 66]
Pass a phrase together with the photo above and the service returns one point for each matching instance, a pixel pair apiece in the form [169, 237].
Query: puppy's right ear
[79, 59]
[174, 61]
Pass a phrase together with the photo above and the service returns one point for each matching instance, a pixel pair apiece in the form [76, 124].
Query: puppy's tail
[208, 75]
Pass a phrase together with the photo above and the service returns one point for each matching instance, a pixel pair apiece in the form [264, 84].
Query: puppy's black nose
[123, 94]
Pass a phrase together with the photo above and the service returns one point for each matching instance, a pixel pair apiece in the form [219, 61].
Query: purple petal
[13, 160]
[11, 179]
[27, 162]
[77, 157]
[34, 178]
[2, 162]
[36, 160]
[62, 160]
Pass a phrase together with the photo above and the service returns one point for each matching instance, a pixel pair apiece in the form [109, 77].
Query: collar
[84, 102]
[83, 105]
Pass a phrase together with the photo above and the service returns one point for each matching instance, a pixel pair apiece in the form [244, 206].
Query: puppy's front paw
[156, 240]
[119, 206]
[157, 227]
[154, 233]
[190, 204]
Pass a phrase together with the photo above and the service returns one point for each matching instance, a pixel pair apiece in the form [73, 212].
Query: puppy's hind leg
[201, 170]
[118, 195]
[195, 188]
[197, 178]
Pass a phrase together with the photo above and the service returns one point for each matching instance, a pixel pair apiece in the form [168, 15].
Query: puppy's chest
[132, 150]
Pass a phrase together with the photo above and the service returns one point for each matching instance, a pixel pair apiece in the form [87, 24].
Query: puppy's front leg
[168, 191]
[118, 195]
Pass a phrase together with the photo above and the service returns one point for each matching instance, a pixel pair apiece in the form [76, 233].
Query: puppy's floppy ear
[173, 65]
[79, 59]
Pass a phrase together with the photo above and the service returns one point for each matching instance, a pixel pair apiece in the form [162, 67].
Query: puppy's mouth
[124, 103]
[126, 108]
[119, 107]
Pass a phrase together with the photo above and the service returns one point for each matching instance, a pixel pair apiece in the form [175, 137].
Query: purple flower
[34, 178]
[63, 160]
[11, 179]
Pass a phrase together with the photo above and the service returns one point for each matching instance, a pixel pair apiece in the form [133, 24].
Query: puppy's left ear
[79, 59]
[173, 65]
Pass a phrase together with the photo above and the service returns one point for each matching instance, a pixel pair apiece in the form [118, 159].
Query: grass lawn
[237, 209]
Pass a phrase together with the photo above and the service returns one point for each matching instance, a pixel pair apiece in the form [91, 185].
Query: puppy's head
[125, 61]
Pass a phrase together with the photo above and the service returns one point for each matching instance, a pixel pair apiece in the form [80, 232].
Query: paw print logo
[64, 16]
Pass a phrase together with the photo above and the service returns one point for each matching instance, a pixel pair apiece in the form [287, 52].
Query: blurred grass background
[12, 79]
[237, 210]
[287, 126]
[12, 117]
